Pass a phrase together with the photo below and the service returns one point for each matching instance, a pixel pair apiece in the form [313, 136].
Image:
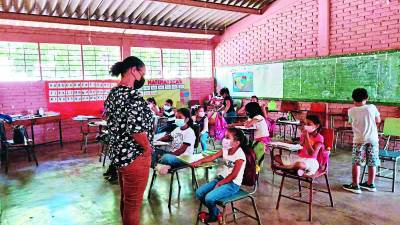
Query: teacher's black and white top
[127, 113]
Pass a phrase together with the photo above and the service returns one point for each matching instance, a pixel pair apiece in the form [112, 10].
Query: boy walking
[363, 119]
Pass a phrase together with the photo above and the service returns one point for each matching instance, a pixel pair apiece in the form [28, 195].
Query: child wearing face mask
[202, 120]
[182, 141]
[168, 111]
[312, 142]
[229, 178]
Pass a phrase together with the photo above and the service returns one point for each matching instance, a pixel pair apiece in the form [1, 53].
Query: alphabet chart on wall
[78, 91]
[72, 98]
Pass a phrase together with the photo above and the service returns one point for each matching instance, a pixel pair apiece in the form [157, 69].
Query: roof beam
[96, 23]
[212, 5]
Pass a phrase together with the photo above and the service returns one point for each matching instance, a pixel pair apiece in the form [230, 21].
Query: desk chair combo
[323, 154]
[391, 131]
[239, 196]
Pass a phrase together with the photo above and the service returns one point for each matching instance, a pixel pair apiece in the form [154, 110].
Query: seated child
[256, 118]
[168, 111]
[182, 138]
[312, 142]
[230, 177]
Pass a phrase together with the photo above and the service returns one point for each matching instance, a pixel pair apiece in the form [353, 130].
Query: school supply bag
[20, 136]
[220, 127]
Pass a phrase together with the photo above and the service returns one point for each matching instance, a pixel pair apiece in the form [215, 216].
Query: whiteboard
[263, 80]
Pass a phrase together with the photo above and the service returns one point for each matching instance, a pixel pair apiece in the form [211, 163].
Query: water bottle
[41, 111]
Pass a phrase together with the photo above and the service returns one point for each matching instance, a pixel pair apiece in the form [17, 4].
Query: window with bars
[176, 63]
[61, 62]
[97, 61]
[201, 63]
[19, 61]
[151, 58]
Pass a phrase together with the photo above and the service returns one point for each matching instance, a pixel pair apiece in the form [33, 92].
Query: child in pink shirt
[312, 142]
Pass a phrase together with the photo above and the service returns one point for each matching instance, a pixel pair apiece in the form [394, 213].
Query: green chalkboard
[334, 78]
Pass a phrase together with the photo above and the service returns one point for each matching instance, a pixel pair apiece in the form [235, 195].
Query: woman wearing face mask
[202, 120]
[130, 124]
[229, 178]
[312, 141]
[182, 138]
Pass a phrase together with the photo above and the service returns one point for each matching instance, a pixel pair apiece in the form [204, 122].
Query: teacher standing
[130, 123]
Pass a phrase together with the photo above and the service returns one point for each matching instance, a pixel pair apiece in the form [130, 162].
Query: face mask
[309, 129]
[180, 122]
[202, 114]
[167, 107]
[138, 83]
[226, 143]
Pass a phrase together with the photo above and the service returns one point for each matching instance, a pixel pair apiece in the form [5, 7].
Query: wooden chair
[241, 195]
[8, 146]
[391, 130]
[328, 135]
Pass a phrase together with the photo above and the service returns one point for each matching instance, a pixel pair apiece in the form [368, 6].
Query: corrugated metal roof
[188, 16]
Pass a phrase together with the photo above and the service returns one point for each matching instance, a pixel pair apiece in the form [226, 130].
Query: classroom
[179, 112]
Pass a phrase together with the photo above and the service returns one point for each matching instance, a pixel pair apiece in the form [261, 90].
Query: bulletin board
[263, 80]
[178, 90]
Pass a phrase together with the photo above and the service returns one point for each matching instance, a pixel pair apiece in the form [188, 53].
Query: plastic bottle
[41, 111]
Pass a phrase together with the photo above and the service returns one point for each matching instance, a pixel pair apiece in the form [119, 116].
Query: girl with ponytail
[230, 177]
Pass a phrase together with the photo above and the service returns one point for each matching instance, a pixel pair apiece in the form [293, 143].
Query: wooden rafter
[211, 5]
[84, 22]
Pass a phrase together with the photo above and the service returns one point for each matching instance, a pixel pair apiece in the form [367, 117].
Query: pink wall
[17, 97]
[294, 29]
[364, 25]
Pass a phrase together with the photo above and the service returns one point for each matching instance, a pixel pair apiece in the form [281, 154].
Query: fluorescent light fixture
[103, 29]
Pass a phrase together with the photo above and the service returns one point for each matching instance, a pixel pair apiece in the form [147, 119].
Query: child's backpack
[20, 136]
[220, 127]
[271, 126]
[250, 172]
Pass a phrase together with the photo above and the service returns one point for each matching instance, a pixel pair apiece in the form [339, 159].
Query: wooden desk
[32, 121]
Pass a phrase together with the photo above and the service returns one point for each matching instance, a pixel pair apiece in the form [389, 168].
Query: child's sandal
[203, 217]
[220, 219]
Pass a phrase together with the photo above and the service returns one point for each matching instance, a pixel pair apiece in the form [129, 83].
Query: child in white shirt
[230, 177]
[363, 119]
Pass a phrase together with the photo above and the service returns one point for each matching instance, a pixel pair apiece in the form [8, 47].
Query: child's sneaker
[352, 188]
[368, 187]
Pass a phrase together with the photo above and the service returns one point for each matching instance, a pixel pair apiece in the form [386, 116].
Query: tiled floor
[68, 188]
